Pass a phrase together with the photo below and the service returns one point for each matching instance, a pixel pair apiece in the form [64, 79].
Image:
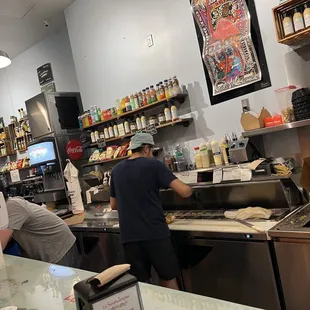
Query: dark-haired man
[135, 185]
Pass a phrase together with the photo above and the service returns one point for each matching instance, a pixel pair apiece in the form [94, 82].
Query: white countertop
[29, 284]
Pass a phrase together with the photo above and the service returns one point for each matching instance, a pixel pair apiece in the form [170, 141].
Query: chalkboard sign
[101, 143]
[45, 74]
[151, 129]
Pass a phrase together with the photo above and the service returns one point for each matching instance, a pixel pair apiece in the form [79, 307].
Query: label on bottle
[115, 130]
[299, 22]
[307, 18]
[106, 133]
[111, 133]
[121, 129]
[288, 26]
[92, 137]
[143, 122]
[174, 113]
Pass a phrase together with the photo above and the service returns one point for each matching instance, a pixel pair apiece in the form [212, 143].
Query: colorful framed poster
[228, 50]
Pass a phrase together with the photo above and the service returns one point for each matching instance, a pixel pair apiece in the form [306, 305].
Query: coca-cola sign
[74, 149]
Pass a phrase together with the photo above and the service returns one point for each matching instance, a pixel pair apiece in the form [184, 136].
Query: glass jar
[161, 118]
[153, 120]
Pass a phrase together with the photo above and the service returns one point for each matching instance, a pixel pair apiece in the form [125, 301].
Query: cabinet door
[240, 272]
[294, 267]
[98, 251]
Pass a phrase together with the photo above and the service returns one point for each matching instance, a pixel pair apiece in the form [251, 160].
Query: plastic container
[216, 153]
[284, 98]
[197, 158]
[204, 155]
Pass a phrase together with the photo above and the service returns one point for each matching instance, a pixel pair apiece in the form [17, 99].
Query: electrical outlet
[245, 105]
[150, 41]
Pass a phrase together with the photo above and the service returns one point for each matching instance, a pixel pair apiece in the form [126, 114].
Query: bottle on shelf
[157, 92]
[106, 133]
[111, 132]
[167, 112]
[133, 126]
[138, 122]
[176, 86]
[101, 135]
[298, 20]
[136, 100]
[97, 113]
[121, 129]
[153, 94]
[118, 105]
[22, 112]
[287, 23]
[198, 161]
[216, 153]
[162, 91]
[306, 14]
[140, 99]
[128, 105]
[144, 97]
[126, 126]
[132, 103]
[148, 96]
[170, 88]
[225, 150]
[166, 87]
[96, 135]
[174, 112]
[19, 114]
[143, 121]
[123, 102]
[115, 130]
[204, 154]
[179, 159]
[92, 137]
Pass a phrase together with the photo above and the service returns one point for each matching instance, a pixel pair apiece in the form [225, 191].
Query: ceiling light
[4, 60]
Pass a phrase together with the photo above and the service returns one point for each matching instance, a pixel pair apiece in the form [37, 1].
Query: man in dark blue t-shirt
[135, 185]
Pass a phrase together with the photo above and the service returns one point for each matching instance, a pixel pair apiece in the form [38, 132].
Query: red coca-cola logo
[74, 149]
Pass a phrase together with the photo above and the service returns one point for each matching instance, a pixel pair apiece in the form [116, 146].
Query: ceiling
[22, 22]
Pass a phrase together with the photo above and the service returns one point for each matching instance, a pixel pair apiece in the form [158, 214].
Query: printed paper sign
[15, 177]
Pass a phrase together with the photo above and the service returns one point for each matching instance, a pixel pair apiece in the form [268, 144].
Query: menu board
[45, 74]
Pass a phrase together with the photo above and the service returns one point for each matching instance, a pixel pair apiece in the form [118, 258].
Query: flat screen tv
[41, 153]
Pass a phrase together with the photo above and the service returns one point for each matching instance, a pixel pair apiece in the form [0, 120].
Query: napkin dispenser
[121, 293]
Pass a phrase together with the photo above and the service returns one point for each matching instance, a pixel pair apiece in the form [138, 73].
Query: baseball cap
[139, 139]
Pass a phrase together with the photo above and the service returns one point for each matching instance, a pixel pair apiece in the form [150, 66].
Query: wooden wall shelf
[297, 38]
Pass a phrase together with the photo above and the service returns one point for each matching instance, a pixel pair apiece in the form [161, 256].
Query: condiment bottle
[197, 158]
[128, 105]
[133, 126]
[121, 129]
[115, 130]
[96, 135]
[123, 102]
[153, 120]
[157, 92]
[153, 94]
[144, 97]
[106, 133]
[176, 87]
[140, 99]
[167, 112]
[216, 153]
[307, 14]
[204, 155]
[162, 91]
[167, 95]
[143, 121]
[225, 150]
[170, 88]
[118, 105]
[287, 23]
[111, 132]
[174, 113]
[298, 20]
[132, 103]
[148, 96]
[161, 118]
[138, 122]
[126, 126]
[136, 100]
[92, 137]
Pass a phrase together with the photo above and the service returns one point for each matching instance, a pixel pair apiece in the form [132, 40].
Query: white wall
[112, 59]
[21, 82]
